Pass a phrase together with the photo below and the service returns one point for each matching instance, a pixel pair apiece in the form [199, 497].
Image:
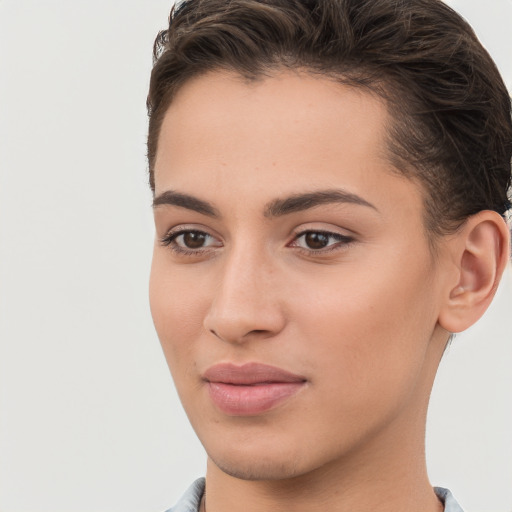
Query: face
[292, 285]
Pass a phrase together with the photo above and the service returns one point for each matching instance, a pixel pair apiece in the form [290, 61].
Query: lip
[250, 389]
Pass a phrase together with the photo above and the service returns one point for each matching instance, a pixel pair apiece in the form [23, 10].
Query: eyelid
[185, 228]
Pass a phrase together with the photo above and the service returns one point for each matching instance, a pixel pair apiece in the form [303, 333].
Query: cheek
[370, 335]
[177, 305]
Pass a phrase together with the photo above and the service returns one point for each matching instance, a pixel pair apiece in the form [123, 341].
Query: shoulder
[190, 501]
[450, 503]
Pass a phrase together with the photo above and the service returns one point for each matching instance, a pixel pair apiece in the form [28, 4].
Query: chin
[256, 469]
[255, 451]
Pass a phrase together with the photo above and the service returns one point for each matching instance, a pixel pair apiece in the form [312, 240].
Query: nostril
[240, 337]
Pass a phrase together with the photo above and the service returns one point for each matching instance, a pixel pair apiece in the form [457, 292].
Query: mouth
[250, 389]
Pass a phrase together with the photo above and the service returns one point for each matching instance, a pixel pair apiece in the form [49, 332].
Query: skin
[364, 319]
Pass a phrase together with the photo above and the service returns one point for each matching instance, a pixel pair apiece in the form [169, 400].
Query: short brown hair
[451, 111]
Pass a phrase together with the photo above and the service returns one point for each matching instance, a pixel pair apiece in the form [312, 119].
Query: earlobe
[481, 251]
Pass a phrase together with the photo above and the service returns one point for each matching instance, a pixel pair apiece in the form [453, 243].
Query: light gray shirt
[190, 501]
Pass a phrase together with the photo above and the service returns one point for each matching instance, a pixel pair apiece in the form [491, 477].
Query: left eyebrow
[301, 202]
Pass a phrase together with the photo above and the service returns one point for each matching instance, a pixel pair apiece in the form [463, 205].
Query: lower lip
[239, 400]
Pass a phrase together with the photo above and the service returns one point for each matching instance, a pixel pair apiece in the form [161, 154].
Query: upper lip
[249, 374]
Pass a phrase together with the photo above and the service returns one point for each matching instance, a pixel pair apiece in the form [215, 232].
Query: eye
[192, 239]
[317, 241]
[189, 241]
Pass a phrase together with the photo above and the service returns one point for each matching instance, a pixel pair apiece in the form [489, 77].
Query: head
[330, 182]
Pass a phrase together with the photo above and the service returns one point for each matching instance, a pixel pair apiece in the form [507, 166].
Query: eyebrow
[301, 202]
[276, 208]
[170, 197]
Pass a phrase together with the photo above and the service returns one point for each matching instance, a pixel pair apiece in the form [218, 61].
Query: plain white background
[89, 420]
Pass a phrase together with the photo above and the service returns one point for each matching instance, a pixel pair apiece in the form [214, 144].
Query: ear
[480, 251]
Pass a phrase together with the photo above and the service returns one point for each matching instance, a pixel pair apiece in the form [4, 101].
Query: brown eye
[194, 239]
[321, 241]
[316, 240]
[190, 241]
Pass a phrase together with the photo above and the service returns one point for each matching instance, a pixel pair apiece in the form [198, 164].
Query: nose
[246, 301]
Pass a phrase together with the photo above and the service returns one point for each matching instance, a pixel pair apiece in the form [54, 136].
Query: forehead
[223, 110]
[277, 135]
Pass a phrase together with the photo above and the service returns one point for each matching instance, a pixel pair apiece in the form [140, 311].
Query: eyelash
[342, 241]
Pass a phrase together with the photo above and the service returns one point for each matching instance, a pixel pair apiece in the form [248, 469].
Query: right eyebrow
[170, 197]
